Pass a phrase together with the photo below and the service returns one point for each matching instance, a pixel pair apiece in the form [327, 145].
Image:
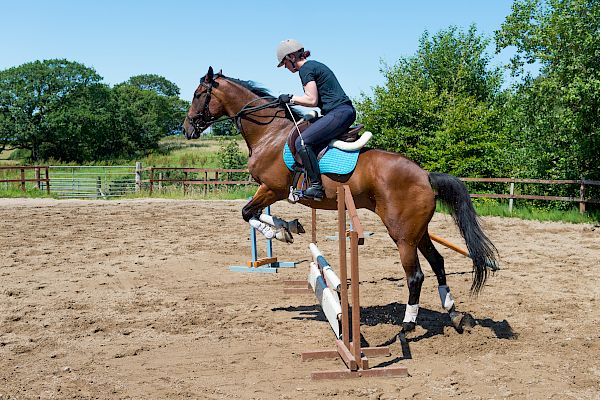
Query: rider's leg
[311, 166]
[315, 138]
[330, 126]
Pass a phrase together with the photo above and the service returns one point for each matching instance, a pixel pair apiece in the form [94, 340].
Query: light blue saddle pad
[335, 161]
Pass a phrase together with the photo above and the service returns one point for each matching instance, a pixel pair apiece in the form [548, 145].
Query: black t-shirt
[331, 93]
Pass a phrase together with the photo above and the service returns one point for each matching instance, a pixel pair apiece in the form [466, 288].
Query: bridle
[204, 118]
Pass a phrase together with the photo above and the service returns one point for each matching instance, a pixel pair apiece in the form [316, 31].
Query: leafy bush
[231, 157]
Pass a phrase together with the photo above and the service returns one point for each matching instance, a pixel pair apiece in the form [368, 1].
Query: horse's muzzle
[189, 130]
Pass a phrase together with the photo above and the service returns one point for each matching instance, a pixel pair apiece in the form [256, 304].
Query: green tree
[143, 117]
[556, 115]
[30, 93]
[59, 109]
[224, 127]
[160, 98]
[437, 107]
[156, 83]
[81, 129]
[455, 61]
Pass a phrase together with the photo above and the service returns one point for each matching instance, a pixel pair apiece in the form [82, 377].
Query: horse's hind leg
[414, 279]
[460, 321]
[406, 215]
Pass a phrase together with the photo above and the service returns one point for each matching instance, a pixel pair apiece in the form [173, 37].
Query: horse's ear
[220, 73]
[209, 75]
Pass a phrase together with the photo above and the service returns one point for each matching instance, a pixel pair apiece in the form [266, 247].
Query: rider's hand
[285, 99]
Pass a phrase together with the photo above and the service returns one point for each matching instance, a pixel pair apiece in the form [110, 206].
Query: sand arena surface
[133, 300]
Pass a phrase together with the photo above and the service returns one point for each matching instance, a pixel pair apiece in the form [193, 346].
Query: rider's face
[289, 65]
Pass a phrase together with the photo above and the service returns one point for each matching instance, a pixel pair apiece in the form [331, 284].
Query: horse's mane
[262, 92]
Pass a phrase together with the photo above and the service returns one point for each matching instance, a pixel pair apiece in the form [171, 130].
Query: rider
[321, 89]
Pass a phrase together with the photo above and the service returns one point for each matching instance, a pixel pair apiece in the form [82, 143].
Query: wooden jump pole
[341, 206]
[449, 245]
[351, 352]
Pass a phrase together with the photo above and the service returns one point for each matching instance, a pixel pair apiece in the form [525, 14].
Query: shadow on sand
[433, 322]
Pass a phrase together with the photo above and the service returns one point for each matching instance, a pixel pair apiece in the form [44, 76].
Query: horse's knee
[248, 213]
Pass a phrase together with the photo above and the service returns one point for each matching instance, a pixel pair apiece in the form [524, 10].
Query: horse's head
[205, 108]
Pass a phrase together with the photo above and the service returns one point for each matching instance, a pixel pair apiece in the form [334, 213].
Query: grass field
[173, 151]
[176, 151]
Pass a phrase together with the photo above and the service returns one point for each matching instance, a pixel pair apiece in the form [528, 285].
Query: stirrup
[318, 189]
[299, 194]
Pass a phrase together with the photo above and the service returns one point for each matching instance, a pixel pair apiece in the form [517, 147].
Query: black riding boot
[311, 166]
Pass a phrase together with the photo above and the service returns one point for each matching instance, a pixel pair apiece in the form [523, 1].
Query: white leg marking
[410, 315]
[263, 228]
[446, 297]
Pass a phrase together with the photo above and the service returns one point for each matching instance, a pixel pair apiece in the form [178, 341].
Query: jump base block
[270, 268]
[353, 369]
[388, 372]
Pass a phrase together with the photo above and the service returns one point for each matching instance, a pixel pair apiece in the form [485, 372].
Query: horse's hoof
[468, 322]
[408, 327]
[462, 321]
[284, 235]
[295, 226]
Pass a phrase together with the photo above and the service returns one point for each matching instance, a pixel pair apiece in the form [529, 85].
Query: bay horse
[400, 192]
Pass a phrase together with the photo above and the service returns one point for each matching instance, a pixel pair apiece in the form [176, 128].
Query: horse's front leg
[269, 225]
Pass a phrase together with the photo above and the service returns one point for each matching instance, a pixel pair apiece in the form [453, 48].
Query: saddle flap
[293, 135]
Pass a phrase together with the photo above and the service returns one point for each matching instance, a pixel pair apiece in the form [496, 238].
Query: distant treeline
[444, 107]
[60, 109]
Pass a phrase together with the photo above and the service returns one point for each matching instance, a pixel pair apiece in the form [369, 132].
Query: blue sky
[180, 39]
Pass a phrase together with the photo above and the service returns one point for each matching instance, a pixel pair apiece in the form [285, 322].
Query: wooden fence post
[343, 266]
[512, 193]
[205, 183]
[313, 225]
[185, 175]
[151, 180]
[582, 196]
[47, 180]
[37, 177]
[98, 187]
[216, 179]
[23, 179]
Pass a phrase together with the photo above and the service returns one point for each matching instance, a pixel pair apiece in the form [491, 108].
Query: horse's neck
[262, 140]
[266, 140]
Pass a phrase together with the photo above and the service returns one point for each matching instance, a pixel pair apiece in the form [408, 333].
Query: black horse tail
[453, 193]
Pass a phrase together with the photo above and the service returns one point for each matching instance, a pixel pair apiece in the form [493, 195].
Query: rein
[207, 119]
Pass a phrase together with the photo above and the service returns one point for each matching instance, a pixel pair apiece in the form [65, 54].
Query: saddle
[350, 136]
[340, 161]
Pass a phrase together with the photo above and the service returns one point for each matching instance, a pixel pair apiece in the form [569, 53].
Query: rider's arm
[310, 98]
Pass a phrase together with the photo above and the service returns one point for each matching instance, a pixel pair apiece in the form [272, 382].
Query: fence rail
[116, 181]
[73, 181]
[24, 176]
[511, 196]
[208, 177]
